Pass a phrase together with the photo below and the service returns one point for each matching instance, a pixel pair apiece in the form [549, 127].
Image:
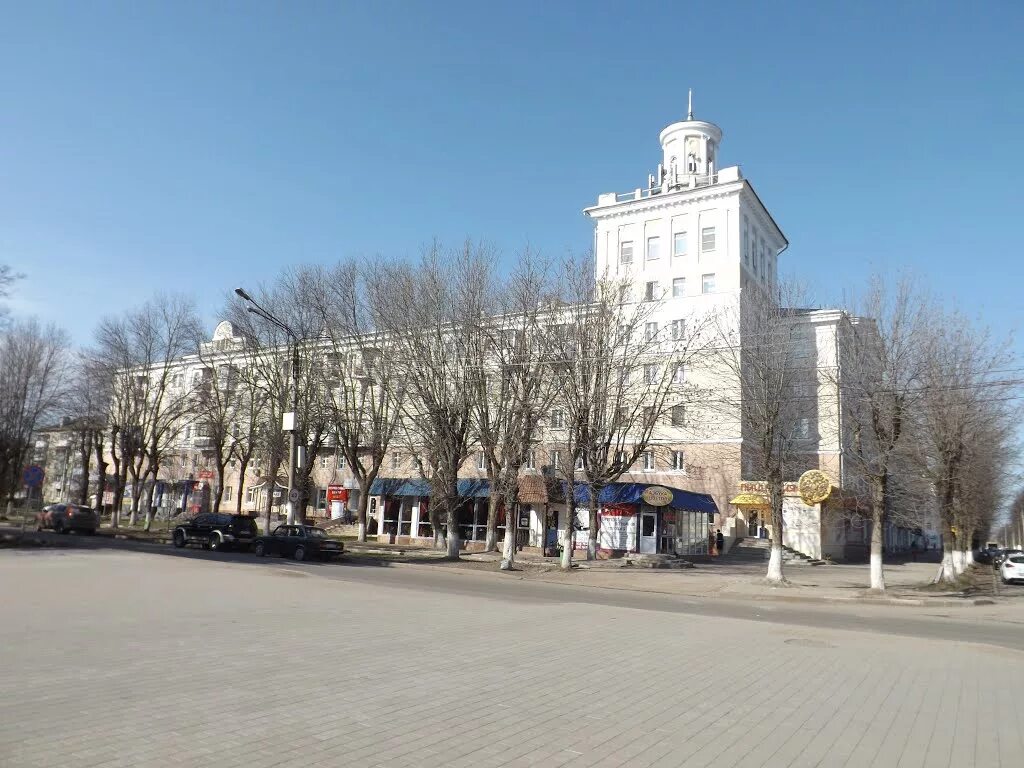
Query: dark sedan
[300, 542]
[65, 518]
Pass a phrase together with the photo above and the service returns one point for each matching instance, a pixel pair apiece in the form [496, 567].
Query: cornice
[660, 202]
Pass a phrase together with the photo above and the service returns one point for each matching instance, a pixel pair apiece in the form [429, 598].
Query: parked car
[1012, 569]
[65, 518]
[987, 554]
[217, 531]
[300, 542]
[1001, 555]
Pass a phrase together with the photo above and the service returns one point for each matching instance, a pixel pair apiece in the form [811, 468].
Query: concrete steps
[752, 550]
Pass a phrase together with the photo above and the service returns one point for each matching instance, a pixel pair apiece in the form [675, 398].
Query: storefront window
[405, 518]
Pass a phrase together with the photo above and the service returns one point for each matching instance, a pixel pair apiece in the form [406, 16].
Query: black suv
[217, 531]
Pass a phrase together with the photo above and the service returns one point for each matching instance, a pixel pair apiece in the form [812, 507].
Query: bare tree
[33, 367]
[88, 405]
[764, 375]
[512, 386]
[140, 351]
[286, 364]
[963, 402]
[617, 374]
[431, 314]
[7, 278]
[362, 393]
[880, 378]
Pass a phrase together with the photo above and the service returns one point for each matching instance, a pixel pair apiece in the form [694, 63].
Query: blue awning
[630, 493]
[417, 486]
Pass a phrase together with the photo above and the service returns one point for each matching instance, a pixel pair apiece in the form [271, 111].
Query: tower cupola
[690, 149]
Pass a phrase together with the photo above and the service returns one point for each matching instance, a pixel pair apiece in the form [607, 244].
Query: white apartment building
[695, 240]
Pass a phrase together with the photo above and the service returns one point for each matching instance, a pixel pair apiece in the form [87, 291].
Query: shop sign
[337, 493]
[617, 532]
[656, 495]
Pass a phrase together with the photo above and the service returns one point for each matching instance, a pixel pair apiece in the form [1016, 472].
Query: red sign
[206, 474]
[337, 493]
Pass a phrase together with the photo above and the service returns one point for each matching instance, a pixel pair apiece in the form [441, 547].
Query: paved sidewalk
[124, 659]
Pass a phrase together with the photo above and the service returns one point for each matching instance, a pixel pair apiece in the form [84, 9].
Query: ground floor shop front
[632, 517]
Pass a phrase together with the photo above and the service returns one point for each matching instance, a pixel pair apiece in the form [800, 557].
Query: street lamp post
[289, 424]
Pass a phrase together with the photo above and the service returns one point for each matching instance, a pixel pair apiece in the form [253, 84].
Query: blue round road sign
[33, 476]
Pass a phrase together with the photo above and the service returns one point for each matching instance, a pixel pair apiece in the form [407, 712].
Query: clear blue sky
[197, 146]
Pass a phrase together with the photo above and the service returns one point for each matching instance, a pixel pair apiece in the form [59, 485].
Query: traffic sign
[293, 495]
[33, 476]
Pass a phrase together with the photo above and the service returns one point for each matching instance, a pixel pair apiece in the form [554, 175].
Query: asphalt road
[967, 624]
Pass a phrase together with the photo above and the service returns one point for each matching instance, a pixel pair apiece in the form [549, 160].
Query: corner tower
[694, 232]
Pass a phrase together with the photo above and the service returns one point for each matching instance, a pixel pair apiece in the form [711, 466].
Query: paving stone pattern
[124, 659]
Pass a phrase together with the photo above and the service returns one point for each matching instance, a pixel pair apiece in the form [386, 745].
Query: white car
[1012, 568]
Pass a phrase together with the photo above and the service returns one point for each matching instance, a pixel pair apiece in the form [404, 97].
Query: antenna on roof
[689, 106]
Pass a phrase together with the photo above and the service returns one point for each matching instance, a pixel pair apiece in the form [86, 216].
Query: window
[648, 461]
[624, 333]
[531, 459]
[579, 462]
[678, 330]
[651, 331]
[803, 428]
[678, 415]
[678, 287]
[556, 459]
[227, 493]
[653, 248]
[620, 457]
[679, 245]
[708, 283]
[323, 462]
[481, 461]
[746, 245]
[679, 375]
[678, 461]
[184, 460]
[648, 414]
[396, 460]
[626, 252]
[188, 432]
[707, 239]
[557, 419]
[233, 463]
[650, 373]
[250, 495]
[650, 291]
[341, 462]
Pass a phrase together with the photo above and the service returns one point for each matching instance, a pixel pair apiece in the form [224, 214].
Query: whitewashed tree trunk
[877, 572]
[570, 515]
[969, 557]
[958, 562]
[947, 572]
[775, 563]
[361, 535]
[508, 553]
[878, 498]
[491, 534]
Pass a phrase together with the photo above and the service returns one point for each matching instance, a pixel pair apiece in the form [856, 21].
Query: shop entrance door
[648, 533]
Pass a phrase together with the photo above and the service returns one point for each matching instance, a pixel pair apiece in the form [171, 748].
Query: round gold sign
[814, 487]
[656, 495]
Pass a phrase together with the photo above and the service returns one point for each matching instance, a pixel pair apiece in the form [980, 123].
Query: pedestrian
[720, 542]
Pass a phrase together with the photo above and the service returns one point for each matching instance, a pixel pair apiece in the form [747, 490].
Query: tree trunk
[570, 517]
[149, 504]
[133, 516]
[453, 531]
[85, 456]
[220, 488]
[592, 523]
[878, 493]
[491, 538]
[364, 505]
[508, 548]
[243, 465]
[947, 572]
[775, 574]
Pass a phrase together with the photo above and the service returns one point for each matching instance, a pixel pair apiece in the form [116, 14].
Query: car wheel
[259, 549]
[214, 543]
[300, 553]
[58, 527]
[179, 538]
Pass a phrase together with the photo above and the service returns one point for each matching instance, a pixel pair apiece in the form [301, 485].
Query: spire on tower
[689, 107]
